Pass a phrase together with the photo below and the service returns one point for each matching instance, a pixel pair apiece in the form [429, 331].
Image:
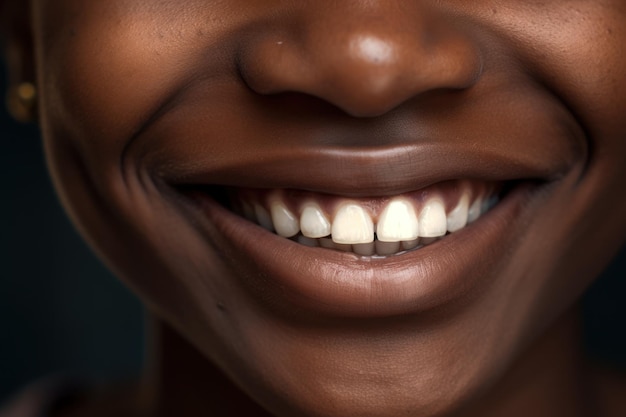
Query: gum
[449, 192]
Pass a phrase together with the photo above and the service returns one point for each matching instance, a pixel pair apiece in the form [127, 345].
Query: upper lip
[535, 138]
[367, 172]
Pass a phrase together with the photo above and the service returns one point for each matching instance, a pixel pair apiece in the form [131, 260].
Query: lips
[280, 272]
[323, 280]
[306, 146]
[367, 172]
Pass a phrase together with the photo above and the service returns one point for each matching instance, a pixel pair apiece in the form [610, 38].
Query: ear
[16, 33]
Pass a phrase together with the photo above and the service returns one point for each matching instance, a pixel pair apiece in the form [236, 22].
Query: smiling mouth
[369, 227]
[362, 233]
[369, 262]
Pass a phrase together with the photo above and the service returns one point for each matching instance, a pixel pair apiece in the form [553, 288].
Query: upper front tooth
[285, 223]
[457, 218]
[352, 225]
[397, 222]
[432, 220]
[313, 222]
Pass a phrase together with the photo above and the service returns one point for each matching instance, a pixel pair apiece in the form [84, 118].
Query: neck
[547, 380]
[180, 381]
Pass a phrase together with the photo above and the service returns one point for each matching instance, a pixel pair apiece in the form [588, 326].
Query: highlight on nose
[372, 49]
[375, 59]
[364, 69]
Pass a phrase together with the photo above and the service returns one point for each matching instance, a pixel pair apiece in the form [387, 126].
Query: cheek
[98, 74]
[106, 67]
[577, 49]
[103, 67]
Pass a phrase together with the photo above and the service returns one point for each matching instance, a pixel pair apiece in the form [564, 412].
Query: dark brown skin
[137, 97]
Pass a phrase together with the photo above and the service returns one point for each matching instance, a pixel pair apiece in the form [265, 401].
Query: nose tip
[376, 75]
[368, 79]
[364, 69]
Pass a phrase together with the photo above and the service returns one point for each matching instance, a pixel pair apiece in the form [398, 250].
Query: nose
[365, 58]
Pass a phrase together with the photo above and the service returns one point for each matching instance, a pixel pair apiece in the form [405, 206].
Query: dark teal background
[62, 311]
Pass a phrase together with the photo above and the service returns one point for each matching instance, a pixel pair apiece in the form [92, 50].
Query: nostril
[367, 68]
[274, 66]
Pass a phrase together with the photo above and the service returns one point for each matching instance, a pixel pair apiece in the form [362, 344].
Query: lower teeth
[376, 248]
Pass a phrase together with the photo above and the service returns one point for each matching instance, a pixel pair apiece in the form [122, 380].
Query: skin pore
[152, 111]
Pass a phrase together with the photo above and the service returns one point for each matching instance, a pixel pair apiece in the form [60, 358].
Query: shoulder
[41, 398]
[65, 397]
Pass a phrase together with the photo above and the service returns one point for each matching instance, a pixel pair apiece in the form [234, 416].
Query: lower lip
[316, 281]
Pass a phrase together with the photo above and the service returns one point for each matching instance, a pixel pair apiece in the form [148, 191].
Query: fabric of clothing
[43, 398]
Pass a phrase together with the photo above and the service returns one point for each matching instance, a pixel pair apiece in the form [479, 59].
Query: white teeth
[352, 224]
[432, 220]
[474, 210]
[263, 217]
[397, 222]
[457, 218]
[352, 229]
[285, 223]
[313, 222]
[387, 248]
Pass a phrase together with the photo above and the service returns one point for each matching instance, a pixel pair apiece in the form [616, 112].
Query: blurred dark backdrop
[62, 311]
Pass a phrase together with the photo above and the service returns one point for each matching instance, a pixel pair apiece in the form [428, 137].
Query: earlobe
[18, 51]
[21, 101]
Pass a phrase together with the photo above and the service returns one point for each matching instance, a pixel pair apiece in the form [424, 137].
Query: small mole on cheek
[221, 307]
[72, 32]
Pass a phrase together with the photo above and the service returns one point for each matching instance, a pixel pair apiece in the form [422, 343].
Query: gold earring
[21, 102]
